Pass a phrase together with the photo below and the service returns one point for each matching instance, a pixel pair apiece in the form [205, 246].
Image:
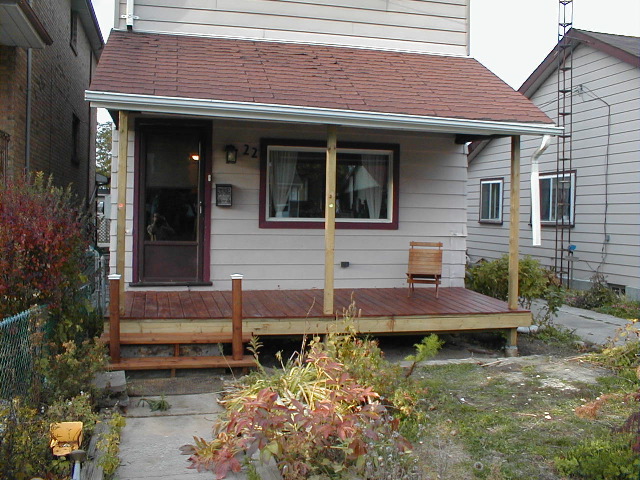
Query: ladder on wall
[563, 257]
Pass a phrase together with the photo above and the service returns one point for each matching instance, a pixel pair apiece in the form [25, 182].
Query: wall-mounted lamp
[231, 154]
[195, 157]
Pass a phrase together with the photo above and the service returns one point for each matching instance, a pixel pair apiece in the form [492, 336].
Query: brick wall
[60, 76]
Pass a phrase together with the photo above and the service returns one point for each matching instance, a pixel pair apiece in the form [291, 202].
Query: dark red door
[171, 204]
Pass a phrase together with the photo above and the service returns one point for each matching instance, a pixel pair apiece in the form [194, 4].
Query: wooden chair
[425, 264]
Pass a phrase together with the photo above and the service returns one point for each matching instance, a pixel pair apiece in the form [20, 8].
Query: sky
[509, 37]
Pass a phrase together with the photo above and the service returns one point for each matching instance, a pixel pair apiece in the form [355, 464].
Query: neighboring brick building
[48, 52]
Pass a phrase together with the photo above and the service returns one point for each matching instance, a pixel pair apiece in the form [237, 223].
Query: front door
[171, 204]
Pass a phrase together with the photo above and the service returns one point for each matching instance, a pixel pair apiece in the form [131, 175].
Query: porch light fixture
[231, 154]
[195, 157]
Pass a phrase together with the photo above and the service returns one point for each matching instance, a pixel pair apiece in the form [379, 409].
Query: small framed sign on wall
[224, 193]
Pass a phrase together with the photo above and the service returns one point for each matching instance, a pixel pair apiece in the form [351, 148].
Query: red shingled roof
[308, 76]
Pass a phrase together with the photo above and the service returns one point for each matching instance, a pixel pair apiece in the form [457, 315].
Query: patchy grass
[623, 308]
[510, 420]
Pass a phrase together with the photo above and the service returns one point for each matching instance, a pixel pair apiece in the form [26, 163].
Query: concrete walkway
[151, 441]
[593, 327]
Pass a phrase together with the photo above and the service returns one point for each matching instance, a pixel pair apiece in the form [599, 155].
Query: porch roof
[306, 83]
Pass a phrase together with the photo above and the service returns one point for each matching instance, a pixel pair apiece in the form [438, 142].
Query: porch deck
[297, 312]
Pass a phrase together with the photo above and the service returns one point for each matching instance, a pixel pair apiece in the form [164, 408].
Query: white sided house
[600, 209]
[302, 144]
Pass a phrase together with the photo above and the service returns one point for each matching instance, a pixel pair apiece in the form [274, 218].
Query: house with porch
[303, 146]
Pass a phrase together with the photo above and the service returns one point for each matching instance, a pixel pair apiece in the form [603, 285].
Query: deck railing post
[237, 350]
[114, 318]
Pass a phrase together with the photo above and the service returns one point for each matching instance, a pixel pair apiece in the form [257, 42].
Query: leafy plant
[426, 349]
[109, 445]
[76, 409]
[42, 243]
[311, 416]
[609, 458]
[24, 442]
[534, 281]
[598, 295]
[160, 405]
[72, 370]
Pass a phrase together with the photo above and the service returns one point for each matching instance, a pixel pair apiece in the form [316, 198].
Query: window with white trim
[557, 198]
[491, 200]
[294, 186]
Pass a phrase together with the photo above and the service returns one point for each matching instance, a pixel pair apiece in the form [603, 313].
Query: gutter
[311, 115]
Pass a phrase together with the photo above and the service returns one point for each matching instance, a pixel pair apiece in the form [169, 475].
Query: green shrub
[24, 442]
[76, 409]
[598, 295]
[534, 281]
[109, 445]
[71, 371]
[610, 458]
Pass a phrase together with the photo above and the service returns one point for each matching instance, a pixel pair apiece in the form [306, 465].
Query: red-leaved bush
[314, 419]
[42, 244]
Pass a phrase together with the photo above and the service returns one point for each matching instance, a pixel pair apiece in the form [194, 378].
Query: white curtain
[375, 167]
[283, 171]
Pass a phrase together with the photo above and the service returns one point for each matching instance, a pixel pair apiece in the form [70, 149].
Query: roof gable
[304, 75]
[624, 48]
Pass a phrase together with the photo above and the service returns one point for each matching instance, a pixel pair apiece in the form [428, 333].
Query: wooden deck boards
[284, 312]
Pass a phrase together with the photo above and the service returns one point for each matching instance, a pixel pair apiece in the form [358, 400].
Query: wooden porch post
[330, 218]
[114, 318]
[237, 350]
[514, 223]
[123, 144]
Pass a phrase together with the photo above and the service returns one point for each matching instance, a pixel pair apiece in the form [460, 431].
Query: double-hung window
[557, 198]
[491, 200]
[293, 185]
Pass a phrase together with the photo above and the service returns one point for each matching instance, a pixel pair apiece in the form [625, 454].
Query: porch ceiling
[301, 83]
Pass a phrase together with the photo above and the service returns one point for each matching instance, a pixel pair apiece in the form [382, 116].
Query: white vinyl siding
[613, 248]
[432, 183]
[435, 26]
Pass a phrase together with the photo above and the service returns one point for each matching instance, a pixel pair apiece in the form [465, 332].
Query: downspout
[535, 191]
[27, 132]
[90, 193]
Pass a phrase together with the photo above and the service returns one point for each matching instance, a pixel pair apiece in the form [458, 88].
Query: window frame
[73, 31]
[75, 139]
[572, 207]
[362, 224]
[496, 221]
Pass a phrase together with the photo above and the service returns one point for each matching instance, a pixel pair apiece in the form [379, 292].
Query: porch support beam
[514, 223]
[123, 144]
[330, 218]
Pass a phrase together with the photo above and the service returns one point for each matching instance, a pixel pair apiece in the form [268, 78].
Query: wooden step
[172, 363]
[174, 338]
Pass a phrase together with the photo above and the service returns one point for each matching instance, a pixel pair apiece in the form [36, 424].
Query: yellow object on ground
[65, 437]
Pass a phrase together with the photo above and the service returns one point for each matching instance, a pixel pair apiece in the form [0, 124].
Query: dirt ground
[481, 347]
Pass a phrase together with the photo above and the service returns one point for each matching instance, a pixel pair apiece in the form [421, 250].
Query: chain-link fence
[20, 346]
[97, 287]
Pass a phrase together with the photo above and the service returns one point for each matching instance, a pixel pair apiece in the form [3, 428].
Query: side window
[73, 36]
[557, 198]
[491, 200]
[75, 140]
